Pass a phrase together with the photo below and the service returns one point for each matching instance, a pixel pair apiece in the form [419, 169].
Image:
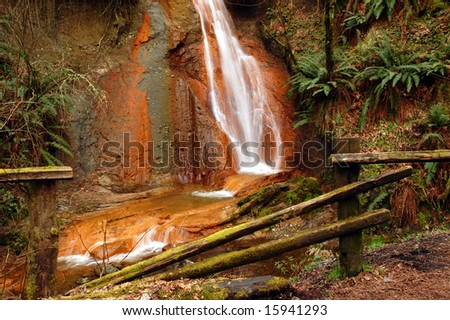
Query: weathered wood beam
[350, 245]
[390, 157]
[44, 231]
[212, 289]
[36, 173]
[219, 238]
[274, 248]
[43, 240]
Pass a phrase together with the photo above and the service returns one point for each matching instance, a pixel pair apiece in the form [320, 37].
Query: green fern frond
[58, 142]
[50, 159]
[379, 199]
[431, 168]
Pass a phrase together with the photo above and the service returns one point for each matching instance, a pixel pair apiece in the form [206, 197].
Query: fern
[316, 88]
[431, 168]
[378, 8]
[393, 74]
[438, 116]
[50, 159]
[379, 199]
[36, 101]
[354, 20]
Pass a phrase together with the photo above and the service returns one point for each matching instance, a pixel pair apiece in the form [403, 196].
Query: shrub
[394, 74]
[438, 116]
[317, 88]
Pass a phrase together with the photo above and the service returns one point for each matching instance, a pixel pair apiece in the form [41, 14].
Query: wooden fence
[347, 165]
[44, 233]
[44, 230]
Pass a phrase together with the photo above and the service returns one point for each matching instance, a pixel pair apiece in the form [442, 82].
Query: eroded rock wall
[158, 127]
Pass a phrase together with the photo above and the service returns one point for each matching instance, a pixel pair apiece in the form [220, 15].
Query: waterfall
[237, 92]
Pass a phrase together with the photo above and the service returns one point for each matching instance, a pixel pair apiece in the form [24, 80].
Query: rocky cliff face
[157, 127]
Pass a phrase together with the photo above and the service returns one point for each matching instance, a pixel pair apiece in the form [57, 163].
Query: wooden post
[43, 240]
[44, 231]
[350, 246]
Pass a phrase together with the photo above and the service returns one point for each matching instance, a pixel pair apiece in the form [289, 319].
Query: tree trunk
[219, 238]
[328, 39]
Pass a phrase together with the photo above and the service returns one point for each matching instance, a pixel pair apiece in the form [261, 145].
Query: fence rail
[347, 165]
[390, 157]
[43, 248]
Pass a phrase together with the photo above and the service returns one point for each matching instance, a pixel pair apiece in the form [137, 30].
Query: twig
[140, 239]
[82, 242]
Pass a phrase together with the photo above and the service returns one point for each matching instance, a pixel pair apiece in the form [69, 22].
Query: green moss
[242, 294]
[264, 212]
[335, 274]
[277, 283]
[214, 292]
[301, 189]
[377, 242]
[54, 231]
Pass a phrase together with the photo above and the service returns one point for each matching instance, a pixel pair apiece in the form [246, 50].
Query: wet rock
[105, 181]
[84, 279]
[102, 270]
[146, 296]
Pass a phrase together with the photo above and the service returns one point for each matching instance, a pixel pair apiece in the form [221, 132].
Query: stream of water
[135, 230]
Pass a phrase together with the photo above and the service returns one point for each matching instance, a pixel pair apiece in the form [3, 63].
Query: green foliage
[317, 88]
[354, 20]
[438, 116]
[36, 100]
[379, 8]
[12, 202]
[374, 9]
[335, 273]
[431, 169]
[393, 74]
[290, 267]
[34, 109]
[376, 242]
[379, 200]
[16, 242]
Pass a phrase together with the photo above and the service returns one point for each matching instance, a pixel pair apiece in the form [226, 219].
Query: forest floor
[417, 268]
[414, 269]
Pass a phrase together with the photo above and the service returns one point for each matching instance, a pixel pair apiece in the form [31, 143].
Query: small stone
[105, 181]
[101, 270]
[146, 296]
[83, 280]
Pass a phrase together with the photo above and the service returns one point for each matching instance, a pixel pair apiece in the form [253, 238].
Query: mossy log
[230, 289]
[390, 157]
[260, 252]
[35, 174]
[255, 287]
[219, 238]
[205, 289]
[276, 247]
[261, 199]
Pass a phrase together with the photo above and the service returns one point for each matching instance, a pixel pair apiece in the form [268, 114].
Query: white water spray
[240, 103]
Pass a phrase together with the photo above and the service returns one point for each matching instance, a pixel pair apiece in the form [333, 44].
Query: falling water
[240, 103]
